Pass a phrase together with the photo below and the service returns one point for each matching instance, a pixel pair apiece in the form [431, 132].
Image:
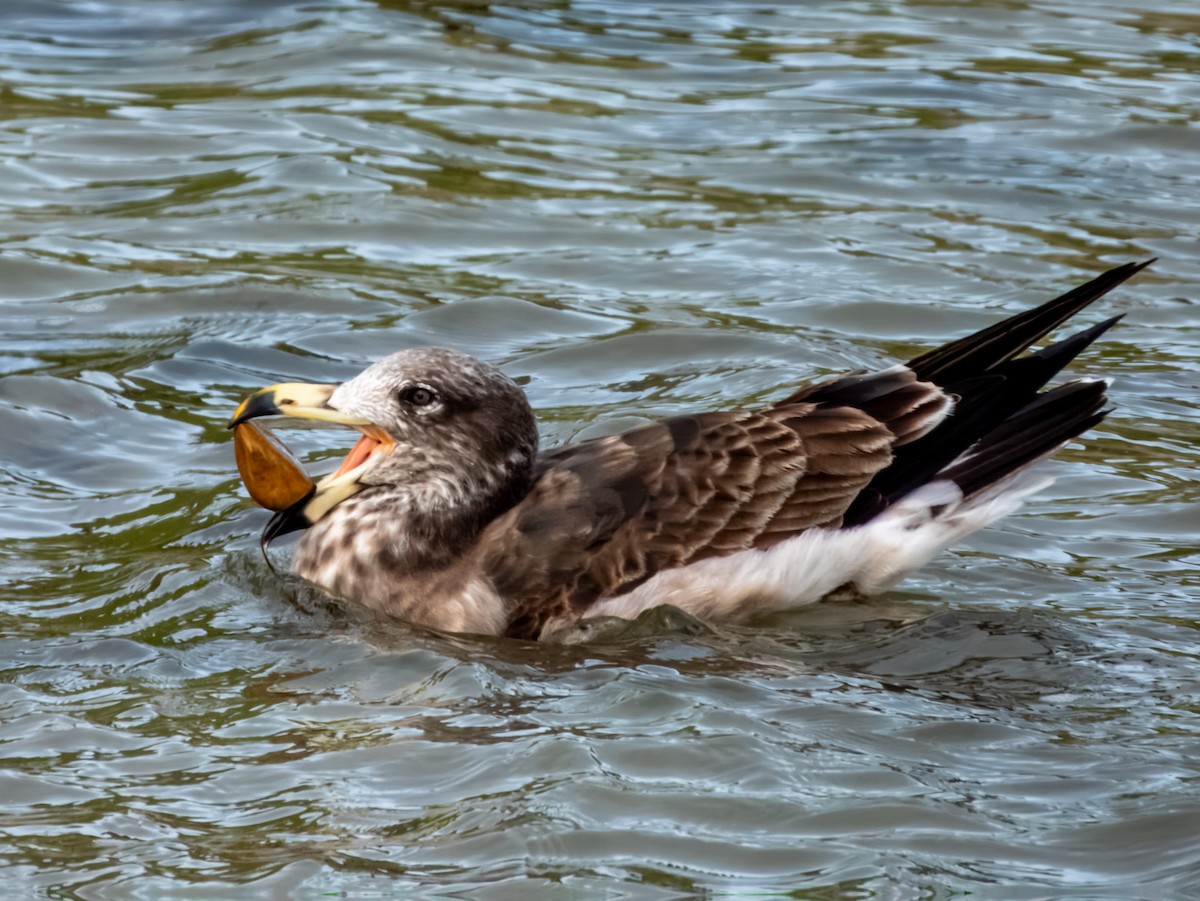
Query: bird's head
[442, 433]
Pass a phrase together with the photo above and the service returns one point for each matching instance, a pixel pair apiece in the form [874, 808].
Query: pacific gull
[445, 513]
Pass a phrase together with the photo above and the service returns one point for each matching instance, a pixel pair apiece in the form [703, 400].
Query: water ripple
[639, 209]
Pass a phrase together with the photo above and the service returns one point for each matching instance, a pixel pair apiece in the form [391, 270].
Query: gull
[446, 514]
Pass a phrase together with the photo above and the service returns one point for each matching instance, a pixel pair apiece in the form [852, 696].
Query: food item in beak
[270, 472]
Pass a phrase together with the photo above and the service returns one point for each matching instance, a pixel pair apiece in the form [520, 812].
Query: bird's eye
[418, 395]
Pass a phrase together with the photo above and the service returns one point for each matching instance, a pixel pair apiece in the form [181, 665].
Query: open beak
[269, 461]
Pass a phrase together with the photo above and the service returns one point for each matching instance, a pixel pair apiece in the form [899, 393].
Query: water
[640, 209]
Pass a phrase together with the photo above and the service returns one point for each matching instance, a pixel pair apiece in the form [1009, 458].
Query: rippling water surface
[640, 208]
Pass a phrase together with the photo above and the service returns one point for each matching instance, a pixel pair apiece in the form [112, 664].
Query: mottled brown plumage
[606, 515]
[448, 516]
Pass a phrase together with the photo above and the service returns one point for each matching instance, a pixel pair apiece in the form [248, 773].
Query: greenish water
[639, 208]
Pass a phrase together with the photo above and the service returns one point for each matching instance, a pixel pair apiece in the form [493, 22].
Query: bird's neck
[390, 542]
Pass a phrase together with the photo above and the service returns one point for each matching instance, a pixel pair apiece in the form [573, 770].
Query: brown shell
[270, 472]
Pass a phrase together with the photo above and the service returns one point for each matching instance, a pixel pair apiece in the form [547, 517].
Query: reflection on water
[640, 208]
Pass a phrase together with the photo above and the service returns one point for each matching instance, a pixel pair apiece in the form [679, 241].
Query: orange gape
[272, 475]
[371, 440]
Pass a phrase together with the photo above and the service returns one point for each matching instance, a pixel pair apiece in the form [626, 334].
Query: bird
[447, 514]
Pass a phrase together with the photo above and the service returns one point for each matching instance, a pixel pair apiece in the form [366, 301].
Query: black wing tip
[1005, 340]
[1120, 273]
[1138, 267]
[1035, 432]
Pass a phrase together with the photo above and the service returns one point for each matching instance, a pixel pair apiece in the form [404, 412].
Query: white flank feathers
[802, 570]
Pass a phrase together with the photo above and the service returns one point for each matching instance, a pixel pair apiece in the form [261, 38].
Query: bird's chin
[351, 477]
[275, 479]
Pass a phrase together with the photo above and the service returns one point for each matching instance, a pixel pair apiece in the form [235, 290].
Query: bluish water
[640, 209]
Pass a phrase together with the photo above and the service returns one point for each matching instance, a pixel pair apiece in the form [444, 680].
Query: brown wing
[605, 515]
[608, 514]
